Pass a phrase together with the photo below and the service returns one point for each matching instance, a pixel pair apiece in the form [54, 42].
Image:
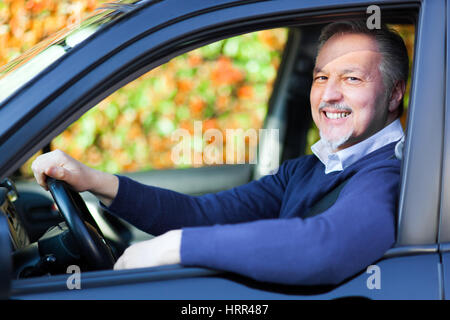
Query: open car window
[205, 107]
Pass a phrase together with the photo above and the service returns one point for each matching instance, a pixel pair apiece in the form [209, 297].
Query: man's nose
[332, 91]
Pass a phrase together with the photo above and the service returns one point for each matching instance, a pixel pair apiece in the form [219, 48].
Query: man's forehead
[357, 50]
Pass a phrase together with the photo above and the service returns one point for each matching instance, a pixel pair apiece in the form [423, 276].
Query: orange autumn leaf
[245, 92]
[272, 38]
[187, 125]
[225, 73]
[209, 124]
[130, 166]
[36, 6]
[195, 60]
[184, 85]
[196, 105]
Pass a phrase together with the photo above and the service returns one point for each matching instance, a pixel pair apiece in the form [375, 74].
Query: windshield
[21, 70]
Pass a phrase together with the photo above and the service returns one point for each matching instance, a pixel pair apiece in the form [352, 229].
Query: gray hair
[394, 64]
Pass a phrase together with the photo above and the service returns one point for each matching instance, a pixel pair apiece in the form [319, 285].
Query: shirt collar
[338, 161]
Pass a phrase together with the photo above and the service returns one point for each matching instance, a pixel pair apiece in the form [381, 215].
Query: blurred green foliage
[225, 85]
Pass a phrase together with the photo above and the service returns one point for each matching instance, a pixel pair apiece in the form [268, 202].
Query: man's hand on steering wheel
[64, 177]
[95, 251]
[72, 177]
[61, 166]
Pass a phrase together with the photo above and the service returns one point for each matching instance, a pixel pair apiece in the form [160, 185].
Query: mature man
[267, 229]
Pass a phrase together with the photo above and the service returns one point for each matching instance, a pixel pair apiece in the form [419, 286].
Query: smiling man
[353, 96]
[321, 218]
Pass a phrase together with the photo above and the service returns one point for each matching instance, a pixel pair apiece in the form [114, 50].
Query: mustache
[336, 106]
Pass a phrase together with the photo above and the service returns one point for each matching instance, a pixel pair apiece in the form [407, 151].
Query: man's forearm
[157, 210]
[104, 186]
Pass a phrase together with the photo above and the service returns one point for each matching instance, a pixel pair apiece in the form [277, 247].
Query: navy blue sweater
[257, 229]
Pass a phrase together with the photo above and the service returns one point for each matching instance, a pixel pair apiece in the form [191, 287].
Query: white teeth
[334, 115]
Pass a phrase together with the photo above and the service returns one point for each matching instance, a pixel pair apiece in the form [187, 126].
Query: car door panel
[410, 277]
[446, 274]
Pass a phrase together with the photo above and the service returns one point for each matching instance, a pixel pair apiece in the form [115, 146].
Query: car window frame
[418, 219]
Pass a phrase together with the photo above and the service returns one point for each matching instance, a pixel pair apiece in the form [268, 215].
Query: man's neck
[375, 131]
[339, 160]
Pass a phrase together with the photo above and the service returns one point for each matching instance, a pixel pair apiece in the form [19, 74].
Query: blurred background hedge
[23, 23]
[226, 85]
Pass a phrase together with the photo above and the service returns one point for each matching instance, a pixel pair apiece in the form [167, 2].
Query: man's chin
[336, 143]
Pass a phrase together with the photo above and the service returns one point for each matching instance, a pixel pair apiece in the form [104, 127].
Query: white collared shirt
[338, 161]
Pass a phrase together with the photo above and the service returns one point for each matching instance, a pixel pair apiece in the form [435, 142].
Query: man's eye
[353, 79]
[320, 78]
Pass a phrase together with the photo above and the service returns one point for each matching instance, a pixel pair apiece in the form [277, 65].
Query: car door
[410, 270]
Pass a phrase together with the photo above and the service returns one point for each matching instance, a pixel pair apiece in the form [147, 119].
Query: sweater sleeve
[324, 249]
[156, 210]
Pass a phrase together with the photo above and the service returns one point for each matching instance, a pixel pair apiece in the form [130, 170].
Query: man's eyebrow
[345, 71]
[317, 70]
[350, 70]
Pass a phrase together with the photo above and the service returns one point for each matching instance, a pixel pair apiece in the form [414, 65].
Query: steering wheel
[88, 236]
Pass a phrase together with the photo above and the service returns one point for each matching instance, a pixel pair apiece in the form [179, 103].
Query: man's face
[348, 99]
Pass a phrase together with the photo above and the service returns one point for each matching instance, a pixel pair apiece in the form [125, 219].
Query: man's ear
[396, 95]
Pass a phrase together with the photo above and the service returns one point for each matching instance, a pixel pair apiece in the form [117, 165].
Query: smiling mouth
[336, 115]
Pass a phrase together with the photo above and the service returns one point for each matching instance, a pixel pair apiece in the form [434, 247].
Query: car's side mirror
[5, 259]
